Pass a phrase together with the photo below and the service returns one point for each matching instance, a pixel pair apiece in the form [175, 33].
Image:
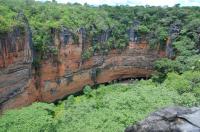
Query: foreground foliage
[109, 108]
[37, 117]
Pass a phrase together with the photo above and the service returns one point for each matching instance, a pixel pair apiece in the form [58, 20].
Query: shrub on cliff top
[6, 19]
[152, 22]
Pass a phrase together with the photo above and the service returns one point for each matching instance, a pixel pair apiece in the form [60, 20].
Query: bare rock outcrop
[64, 73]
[171, 119]
[15, 69]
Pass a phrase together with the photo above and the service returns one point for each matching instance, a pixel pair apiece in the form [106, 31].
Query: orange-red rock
[66, 73]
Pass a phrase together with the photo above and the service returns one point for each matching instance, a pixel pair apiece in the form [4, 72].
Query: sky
[134, 2]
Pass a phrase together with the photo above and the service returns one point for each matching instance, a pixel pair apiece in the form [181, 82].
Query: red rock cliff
[65, 73]
[16, 85]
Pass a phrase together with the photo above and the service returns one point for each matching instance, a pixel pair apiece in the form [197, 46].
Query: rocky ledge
[171, 119]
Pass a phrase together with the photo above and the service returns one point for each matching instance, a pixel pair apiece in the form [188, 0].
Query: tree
[54, 1]
[143, 29]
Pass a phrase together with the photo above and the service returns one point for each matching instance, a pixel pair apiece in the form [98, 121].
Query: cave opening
[128, 80]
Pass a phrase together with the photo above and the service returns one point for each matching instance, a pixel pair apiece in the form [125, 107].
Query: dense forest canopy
[151, 23]
[113, 107]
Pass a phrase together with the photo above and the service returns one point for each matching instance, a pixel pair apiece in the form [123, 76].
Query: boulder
[171, 119]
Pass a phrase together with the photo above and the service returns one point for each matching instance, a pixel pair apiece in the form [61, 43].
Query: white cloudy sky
[135, 2]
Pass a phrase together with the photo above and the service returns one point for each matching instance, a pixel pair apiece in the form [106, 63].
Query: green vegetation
[113, 107]
[150, 23]
[87, 54]
[187, 58]
[109, 108]
[36, 118]
[6, 21]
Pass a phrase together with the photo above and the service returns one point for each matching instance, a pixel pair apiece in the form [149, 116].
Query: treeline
[106, 27]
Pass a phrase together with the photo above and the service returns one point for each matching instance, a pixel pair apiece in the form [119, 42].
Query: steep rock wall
[66, 72]
[15, 70]
[70, 74]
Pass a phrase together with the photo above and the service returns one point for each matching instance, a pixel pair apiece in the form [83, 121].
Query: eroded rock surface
[171, 119]
[17, 86]
[68, 73]
[15, 69]
[65, 73]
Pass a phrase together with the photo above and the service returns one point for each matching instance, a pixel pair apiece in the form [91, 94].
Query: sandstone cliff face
[15, 69]
[70, 74]
[65, 73]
